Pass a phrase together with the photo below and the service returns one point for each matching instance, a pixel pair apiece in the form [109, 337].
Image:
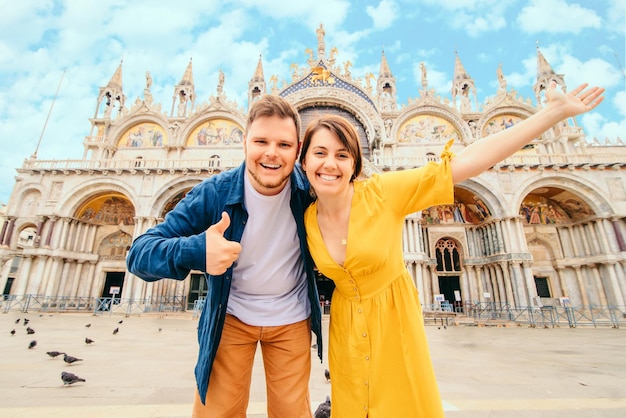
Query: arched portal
[447, 252]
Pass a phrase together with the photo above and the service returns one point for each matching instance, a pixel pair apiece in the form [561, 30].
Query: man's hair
[344, 130]
[270, 105]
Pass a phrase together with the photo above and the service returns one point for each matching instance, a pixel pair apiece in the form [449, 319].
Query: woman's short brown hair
[345, 132]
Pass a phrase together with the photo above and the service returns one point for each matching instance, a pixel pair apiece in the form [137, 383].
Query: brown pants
[287, 360]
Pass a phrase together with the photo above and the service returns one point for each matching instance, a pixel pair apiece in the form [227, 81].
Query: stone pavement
[146, 370]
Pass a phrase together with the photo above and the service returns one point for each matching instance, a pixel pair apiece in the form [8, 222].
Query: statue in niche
[346, 70]
[148, 80]
[424, 75]
[274, 84]
[220, 84]
[501, 79]
[321, 45]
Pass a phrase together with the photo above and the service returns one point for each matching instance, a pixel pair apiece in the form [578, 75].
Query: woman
[378, 353]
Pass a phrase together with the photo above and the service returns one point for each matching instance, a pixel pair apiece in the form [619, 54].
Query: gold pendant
[344, 241]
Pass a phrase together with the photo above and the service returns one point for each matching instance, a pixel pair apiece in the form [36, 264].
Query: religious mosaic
[109, 209]
[499, 123]
[216, 132]
[144, 135]
[427, 128]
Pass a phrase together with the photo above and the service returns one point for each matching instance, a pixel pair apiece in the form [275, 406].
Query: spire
[111, 95]
[545, 74]
[543, 67]
[459, 70]
[463, 85]
[184, 98]
[258, 73]
[384, 67]
[386, 86]
[256, 85]
[187, 79]
[116, 80]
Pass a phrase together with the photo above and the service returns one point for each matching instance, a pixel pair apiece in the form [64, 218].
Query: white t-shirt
[269, 285]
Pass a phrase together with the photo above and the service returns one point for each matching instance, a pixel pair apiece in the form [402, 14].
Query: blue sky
[39, 39]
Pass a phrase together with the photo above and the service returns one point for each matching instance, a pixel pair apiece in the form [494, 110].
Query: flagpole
[34, 156]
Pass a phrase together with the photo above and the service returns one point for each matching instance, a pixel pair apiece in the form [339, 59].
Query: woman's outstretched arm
[490, 150]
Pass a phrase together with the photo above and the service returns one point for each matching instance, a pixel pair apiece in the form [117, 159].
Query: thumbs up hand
[220, 253]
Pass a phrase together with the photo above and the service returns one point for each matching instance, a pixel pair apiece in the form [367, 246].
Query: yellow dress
[379, 361]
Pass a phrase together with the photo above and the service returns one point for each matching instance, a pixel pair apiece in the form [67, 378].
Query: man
[244, 228]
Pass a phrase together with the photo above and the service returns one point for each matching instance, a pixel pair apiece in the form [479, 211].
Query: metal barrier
[198, 305]
[489, 312]
[10, 302]
[549, 316]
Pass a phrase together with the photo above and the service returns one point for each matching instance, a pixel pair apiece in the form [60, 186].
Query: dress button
[367, 357]
[360, 310]
[365, 334]
[354, 289]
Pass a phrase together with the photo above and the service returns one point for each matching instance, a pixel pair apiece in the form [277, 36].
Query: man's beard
[265, 184]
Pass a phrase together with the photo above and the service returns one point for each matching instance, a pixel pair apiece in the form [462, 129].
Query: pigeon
[29, 330]
[54, 354]
[26, 321]
[88, 341]
[160, 329]
[32, 344]
[13, 331]
[120, 321]
[116, 330]
[327, 374]
[70, 378]
[323, 410]
[70, 359]
[17, 321]
[87, 326]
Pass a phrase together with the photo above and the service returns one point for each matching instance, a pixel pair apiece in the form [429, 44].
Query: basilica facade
[544, 227]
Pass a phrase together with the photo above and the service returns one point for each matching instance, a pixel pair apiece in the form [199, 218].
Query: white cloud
[384, 15]
[331, 13]
[619, 101]
[493, 22]
[595, 71]
[474, 17]
[556, 16]
[598, 126]
[616, 16]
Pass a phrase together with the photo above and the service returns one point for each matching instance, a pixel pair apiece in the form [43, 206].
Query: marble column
[598, 284]
[37, 272]
[614, 295]
[79, 284]
[21, 283]
[52, 223]
[529, 278]
[519, 283]
[9, 232]
[581, 285]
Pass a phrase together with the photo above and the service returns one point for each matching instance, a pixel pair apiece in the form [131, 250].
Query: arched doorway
[449, 274]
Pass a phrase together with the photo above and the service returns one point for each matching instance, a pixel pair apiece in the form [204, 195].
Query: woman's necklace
[333, 224]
